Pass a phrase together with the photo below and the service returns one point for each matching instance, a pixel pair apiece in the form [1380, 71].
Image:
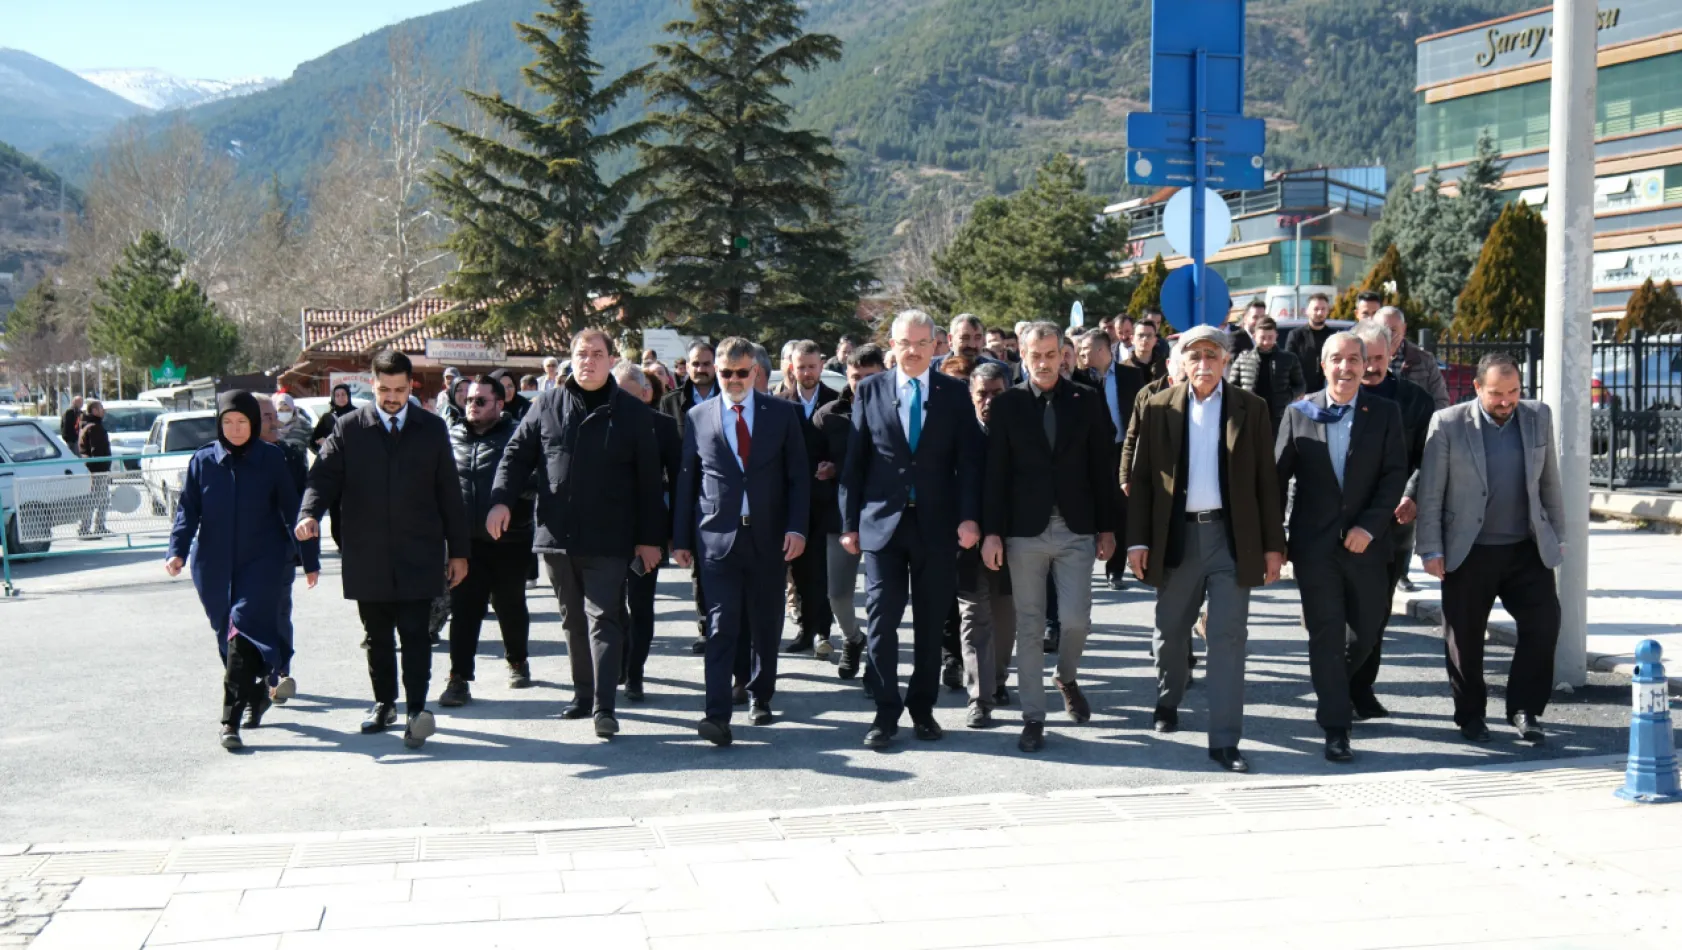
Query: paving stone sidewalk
[1509, 856]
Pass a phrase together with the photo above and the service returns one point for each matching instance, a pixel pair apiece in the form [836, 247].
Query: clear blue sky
[197, 39]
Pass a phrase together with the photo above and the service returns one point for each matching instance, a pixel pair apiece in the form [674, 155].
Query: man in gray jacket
[1489, 498]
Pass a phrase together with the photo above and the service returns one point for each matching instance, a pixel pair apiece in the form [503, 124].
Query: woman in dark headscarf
[324, 426]
[234, 527]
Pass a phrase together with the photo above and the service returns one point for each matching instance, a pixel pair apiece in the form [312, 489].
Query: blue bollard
[1651, 777]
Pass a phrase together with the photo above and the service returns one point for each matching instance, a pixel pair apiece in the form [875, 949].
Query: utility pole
[1566, 348]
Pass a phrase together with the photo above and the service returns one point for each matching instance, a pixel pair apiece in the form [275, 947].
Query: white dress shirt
[402, 418]
[809, 405]
[1203, 451]
[727, 412]
[902, 385]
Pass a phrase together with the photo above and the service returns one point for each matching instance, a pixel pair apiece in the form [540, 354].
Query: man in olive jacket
[601, 504]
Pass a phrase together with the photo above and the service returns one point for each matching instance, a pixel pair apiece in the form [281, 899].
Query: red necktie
[744, 441]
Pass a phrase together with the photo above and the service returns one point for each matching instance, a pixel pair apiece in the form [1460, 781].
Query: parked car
[128, 422]
[36, 499]
[1658, 385]
[316, 405]
[161, 471]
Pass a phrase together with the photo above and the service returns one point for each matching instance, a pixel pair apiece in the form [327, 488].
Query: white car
[161, 467]
[38, 498]
[127, 422]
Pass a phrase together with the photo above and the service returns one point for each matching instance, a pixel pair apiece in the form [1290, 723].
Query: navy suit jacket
[710, 484]
[880, 470]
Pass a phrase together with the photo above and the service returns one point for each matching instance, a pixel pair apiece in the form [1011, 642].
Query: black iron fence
[1635, 395]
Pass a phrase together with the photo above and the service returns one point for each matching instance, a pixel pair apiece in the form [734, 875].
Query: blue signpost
[1196, 133]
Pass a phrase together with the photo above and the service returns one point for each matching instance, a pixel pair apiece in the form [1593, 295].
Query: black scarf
[242, 402]
[349, 406]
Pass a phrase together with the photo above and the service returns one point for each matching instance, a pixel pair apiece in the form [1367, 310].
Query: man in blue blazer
[742, 505]
[910, 498]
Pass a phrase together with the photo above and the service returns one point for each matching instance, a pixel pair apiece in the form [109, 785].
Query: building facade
[1262, 259]
[1494, 76]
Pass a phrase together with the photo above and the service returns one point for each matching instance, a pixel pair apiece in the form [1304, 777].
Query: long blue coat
[234, 528]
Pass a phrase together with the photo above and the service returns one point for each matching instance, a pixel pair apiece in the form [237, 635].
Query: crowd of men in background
[976, 475]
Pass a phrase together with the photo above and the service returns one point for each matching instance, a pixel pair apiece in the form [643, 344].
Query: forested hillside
[29, 222]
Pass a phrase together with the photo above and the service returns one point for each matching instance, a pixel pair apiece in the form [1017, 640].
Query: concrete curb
[1637, 506]
[1426, 607]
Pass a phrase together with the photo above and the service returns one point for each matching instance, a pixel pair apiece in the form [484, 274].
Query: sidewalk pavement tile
[625, 879]
[584, 904]
[271, 899]
[229, 880]
[991, 931]
[466, 867]
[338, 874]
[786, 917]
[610, 860]
[97, 930]
[488, 885]
[410, 913]
[186, 929]
[128, 892]
[814, 868]
[264, 942]
[203, 903]
[748, 896]
[596, 933]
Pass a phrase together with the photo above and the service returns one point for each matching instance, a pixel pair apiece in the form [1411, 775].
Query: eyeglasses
[481, 401]
[734, 373]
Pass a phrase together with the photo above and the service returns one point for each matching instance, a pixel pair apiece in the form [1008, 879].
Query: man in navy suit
[910, 498]
[743, 502]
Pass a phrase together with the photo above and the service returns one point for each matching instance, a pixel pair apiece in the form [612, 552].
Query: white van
[38, 498]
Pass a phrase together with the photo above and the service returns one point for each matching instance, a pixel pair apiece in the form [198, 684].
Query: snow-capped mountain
[158, 90]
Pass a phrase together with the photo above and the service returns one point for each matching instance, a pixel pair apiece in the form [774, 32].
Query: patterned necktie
[394, 427]
[744, 440]
[915, 430]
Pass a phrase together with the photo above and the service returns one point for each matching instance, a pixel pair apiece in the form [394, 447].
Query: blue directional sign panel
[1178, 298]
[1172, 132]
[1221, 170]
[1179, 29]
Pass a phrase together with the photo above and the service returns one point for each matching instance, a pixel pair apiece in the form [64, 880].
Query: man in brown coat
[1203, 517]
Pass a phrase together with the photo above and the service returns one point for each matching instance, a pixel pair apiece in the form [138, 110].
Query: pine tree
[1388, 278]
[749, 241]
[1504, 296]
[150, 311]
[1480, 199]
[1651, 310]
[545, 245]
[1148, 295]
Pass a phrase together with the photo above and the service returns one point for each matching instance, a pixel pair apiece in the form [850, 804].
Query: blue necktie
[916, 427]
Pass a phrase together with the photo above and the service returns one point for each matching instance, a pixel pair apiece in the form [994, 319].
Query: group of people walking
[975, 491]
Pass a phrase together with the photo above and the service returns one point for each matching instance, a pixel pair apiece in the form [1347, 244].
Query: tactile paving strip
[360, 851]
[835, 826]
[621, 838]
[84, 863]
[718, 832]
[453, 847]
[191, 860]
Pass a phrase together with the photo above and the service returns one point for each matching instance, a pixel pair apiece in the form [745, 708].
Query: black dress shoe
[952, 673]
[633, 692]
[1337, 746]
[739, 696]
[1165, 720]
[929, 731]
[759, 714]
[880, 736]
[1528, 728]
[519, 675]
[254, 714]
[718, 733]
[1408, 586]
[980, 717]
[1033, 737]
[802, 643]
[606, 726]
[381, 716]
[1368, 707]
[577, 709]
[1117, 582]
[1053, 638]
[849, 665]
[699, 647]
[1230, 759]
[1001, 697]
[1475, 731]
[229, 738]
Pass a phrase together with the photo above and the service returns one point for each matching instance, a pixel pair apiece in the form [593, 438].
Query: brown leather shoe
[1079, 709]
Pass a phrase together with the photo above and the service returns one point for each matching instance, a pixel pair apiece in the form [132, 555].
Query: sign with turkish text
[168, 373]
[358, 382]
[465, 351]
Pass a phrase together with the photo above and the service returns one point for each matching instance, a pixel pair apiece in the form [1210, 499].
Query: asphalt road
[110, 693]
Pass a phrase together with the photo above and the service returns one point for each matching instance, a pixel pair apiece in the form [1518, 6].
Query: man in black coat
[599, 508]
[701, 385]
[1345, 449]
[1120, 386]
[389, 469]
[808, 573]
[1307, 342]
[496, 569]
[640, 588]
[70, 425]
[835, 422]
[1049, 508]
[1269, 371]
[910, 499]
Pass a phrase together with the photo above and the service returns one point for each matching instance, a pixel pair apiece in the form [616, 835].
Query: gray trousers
[591, 593]
[1206, 569]
[843, 583]
[1067, 557]
[987, 621]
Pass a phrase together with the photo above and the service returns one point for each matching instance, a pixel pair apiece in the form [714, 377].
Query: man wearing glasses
[910, 499]
[599, 505]
[496, 567]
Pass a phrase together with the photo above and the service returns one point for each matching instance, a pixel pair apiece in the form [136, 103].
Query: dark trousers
[408, 620]
[496, 576]
[810, 574]
[952, 635]
[905, 572]
[1345, 608]
[744, 605]
[1515, 573]
[1364, 676]
[639, 606]
[99, 502]
[242, 680]
[284, 662]
[591, 592]
[695, 592]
